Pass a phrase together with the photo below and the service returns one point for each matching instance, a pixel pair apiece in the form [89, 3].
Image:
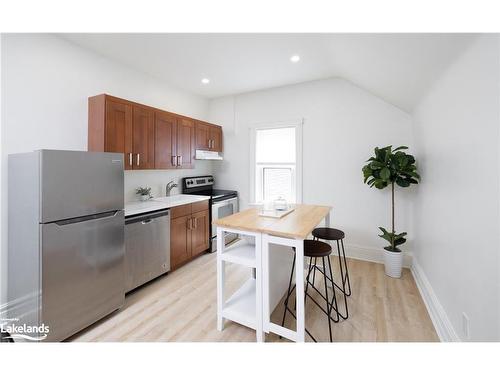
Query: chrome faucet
[169, 187]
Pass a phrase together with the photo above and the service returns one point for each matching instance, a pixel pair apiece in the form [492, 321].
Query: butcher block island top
[297, 224]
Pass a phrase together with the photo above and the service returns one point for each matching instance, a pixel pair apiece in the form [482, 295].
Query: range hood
[207, 155]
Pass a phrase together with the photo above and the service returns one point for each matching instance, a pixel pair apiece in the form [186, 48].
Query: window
[275, 164]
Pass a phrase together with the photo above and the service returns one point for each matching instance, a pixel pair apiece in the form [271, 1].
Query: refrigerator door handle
[103, 215]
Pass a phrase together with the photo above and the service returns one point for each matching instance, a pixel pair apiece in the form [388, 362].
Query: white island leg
[299, 285]
[221, 273]
[299, 334]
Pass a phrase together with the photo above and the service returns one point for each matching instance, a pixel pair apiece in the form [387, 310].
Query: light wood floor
[181, 306]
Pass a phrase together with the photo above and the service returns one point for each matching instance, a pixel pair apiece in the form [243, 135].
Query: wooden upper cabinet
[149, 138]
[110, 127]
[208, 137]
[185, 143]
[143, 138]
[165, 141]
[202, 135]
[216, 138]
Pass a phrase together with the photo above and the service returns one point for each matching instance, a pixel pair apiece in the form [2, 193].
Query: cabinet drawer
[180, 211]
[200, 206]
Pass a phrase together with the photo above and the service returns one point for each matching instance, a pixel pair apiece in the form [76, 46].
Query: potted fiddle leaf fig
[390, 167]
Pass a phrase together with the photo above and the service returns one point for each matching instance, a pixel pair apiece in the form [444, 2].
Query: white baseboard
[372, 254]
[439, 318]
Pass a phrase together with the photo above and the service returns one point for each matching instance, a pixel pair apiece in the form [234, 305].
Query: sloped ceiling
[399, 68]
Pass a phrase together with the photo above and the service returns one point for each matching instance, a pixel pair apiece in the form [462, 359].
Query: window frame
[297, 124]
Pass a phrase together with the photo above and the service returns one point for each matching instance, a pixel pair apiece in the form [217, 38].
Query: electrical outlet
[465, 326]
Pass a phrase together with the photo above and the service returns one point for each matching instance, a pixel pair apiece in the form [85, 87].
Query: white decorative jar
[393, 263]
[280, 204]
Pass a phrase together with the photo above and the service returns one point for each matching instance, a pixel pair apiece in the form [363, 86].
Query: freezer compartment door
[78, 183]
[82, 272]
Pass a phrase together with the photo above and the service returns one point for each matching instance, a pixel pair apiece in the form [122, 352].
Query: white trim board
[371, 254]
[438, 315]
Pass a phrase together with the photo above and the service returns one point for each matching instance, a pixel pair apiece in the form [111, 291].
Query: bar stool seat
[316, 249]
[330, 234]
[333, 234]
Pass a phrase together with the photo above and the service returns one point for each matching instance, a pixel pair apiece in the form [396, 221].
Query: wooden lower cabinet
[180, 240]
[189, 232]
[199, 233]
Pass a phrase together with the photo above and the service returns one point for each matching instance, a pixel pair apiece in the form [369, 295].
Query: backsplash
[158, 179]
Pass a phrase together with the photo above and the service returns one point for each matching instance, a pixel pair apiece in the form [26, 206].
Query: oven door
[222, 209]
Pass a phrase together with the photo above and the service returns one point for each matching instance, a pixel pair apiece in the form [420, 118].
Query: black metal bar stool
[332, 234]
[314, 250]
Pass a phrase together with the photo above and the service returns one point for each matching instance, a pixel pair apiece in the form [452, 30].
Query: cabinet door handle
[138, 159]
[189, 222]
[130, 159]
[211, 143]
[174, 158]
[179, 158]
[195, 222]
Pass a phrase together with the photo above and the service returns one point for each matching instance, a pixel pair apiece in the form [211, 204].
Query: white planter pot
[393, 263]
[144, 198]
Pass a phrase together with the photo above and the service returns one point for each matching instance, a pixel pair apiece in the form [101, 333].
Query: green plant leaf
[400, 148]
[385, 173]
[402, 182]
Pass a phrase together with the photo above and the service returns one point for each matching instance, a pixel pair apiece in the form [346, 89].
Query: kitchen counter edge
[139, 207]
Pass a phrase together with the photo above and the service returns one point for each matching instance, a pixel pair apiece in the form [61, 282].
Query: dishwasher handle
[146, 218]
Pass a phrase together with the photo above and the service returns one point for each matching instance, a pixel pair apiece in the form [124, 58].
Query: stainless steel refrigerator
[65, 239]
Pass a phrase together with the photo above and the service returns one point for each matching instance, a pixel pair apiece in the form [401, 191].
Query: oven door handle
[227, 202]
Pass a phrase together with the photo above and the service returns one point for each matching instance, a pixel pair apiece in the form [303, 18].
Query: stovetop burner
[203, 186]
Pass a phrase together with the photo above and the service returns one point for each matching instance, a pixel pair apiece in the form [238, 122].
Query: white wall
[45, 85]
[457, 204]
[342, 125]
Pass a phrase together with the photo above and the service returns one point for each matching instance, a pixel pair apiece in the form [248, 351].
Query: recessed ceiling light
[295, 58]
[205, 81]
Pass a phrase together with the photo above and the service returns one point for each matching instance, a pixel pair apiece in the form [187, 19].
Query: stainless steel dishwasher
[147, 247]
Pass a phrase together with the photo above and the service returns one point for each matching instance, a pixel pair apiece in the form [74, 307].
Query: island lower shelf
[240, 307]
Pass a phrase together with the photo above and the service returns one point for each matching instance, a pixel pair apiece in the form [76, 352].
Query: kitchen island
[264, 249]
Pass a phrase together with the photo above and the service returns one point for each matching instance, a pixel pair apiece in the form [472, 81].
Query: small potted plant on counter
[144, 193]
[386, 168]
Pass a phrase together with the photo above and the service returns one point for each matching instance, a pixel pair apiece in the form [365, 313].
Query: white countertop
[160, 203]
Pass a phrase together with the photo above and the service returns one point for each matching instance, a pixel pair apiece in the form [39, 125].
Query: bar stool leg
[346, 270]
[343, 283]
[328, 308]
[334, 299]
[307, 281]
